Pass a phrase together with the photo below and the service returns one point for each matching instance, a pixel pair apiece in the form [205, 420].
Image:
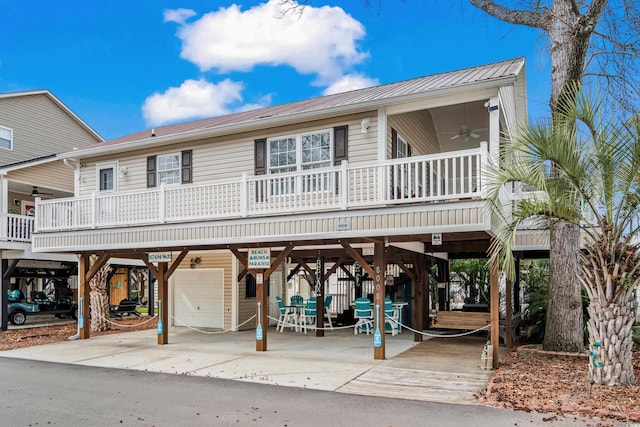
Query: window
[300, 152]
[106, 177]
[6, 138]
[174, 168]
[402, 149]
[169, 169]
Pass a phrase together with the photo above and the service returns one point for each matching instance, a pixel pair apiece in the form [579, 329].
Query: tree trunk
[564, 329]
[611, 327]
[99, 304]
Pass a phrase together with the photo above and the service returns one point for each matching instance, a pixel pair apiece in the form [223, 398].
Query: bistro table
[297, 310]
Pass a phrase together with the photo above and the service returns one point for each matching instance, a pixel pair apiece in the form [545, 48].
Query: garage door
[198, 297]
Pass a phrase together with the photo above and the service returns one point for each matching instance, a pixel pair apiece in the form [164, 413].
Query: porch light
[365, 125]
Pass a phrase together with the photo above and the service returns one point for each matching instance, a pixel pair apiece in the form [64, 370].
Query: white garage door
[198, 297]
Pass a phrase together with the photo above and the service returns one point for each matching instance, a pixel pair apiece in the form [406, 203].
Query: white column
[4, 207]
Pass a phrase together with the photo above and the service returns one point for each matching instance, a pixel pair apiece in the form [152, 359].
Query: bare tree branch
[513, 16]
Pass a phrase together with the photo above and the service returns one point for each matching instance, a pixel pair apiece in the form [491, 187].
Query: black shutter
[250, 287]
[340, 144]
[260, 156]
[151, 171]
[394, 143]
[187, 157]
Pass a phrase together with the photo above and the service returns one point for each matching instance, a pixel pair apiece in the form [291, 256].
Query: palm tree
[585, 171]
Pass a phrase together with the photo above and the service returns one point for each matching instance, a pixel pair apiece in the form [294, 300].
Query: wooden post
[163, 304]
[495, 312]
[4, 300]
[508, 339]
[84, 325]
[379, 268]
[319, 297]
[262, 307]
[417, 293]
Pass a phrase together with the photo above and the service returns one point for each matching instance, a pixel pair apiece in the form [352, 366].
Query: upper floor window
[306, 151]
[169, 168]
[174, 168]
[6, 138]
[300, 152]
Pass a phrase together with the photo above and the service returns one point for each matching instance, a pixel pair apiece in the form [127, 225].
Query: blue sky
[125, 66]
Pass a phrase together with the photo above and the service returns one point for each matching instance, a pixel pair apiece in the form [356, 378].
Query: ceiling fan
[36, 193]
[465, 132]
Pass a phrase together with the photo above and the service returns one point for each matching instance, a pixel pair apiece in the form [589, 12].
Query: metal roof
[467, 76]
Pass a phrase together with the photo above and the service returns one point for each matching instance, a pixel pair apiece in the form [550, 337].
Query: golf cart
[59, 303]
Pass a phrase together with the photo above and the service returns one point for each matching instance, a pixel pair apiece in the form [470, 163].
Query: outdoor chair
[364, 314]
[308, 316]
[287, 316]
[296, 300]
[327, 308]
[391, 317]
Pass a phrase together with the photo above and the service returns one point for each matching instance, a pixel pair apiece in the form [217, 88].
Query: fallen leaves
[534, 381]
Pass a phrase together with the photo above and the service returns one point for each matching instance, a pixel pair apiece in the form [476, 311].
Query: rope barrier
[224, 331]
[122, 325]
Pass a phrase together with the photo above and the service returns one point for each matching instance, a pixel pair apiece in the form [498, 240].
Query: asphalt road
[49, 394]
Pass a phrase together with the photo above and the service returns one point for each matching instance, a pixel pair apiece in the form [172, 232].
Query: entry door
[107, 182]
[198, 297]
[275, 289]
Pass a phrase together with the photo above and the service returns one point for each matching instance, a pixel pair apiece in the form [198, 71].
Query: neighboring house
[34, 126]
[386, 179]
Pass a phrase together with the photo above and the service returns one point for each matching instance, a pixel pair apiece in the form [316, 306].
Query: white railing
[445, 176]
[16, 228]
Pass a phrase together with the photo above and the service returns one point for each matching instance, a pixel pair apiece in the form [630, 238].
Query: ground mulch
[527, 379]
[26, 337]
[530, 380]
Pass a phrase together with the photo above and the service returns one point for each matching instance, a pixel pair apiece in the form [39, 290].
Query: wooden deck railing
[439, 177]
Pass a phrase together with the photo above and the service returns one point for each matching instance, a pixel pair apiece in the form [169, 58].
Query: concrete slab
[339, 361]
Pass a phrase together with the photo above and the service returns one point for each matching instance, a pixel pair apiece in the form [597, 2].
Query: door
[107, 182]
[198, 298]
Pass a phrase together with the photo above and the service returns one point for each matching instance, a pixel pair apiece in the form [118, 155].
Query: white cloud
[193, 99]
[178, 15]
[350, 82]
[321, 41]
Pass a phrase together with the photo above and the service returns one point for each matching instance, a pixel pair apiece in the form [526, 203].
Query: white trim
[10, 138]
[107, 165]
[382, 134]
[402, 103]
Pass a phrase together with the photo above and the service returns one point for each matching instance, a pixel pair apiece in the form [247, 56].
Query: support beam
[84, 324]
[163, 303]
[4, 300]
[417, 296]
[359, 259]
[320, 297]
[494, 298]
[379, 269]
[262, 306]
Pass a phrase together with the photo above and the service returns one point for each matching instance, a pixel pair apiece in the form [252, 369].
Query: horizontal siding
[417, 129]
[308, 227]
[228, 157]
[40, 127]
[53, 175]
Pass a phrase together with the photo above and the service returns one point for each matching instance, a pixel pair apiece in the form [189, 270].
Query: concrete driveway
[438, 370]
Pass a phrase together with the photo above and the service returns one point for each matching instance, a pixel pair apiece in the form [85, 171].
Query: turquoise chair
[391, 318]
[287, 316]
[296, 300]
[309, 314]
[327, 314]
[364, 314]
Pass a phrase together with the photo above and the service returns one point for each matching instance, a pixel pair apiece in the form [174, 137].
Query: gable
[40, 127]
